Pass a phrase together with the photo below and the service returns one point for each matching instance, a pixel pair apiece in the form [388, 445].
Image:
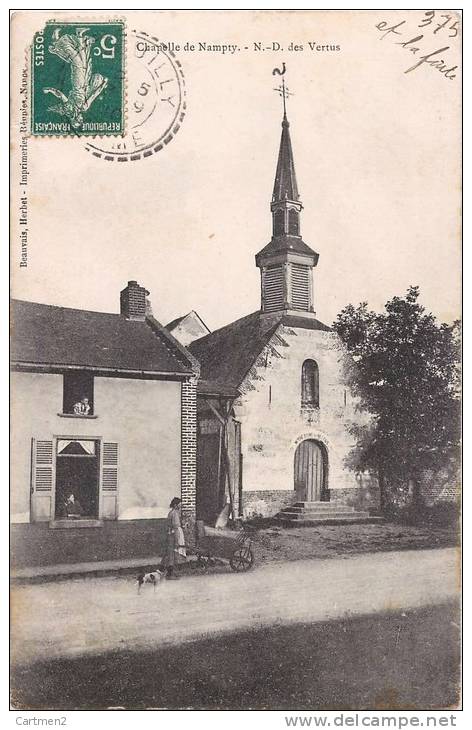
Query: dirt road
[91, 615]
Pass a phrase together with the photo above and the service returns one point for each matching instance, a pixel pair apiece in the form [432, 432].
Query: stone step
[325, 515]
[322, 513]
[346, 519]
[318, 507]
[321, 505]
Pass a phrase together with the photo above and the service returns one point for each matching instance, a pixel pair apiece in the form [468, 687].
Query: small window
[310, 384]
[293, 222]
[78, 394]
[279, 222]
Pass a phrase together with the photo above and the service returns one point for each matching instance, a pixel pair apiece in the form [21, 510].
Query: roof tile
[50, 335]
[227, 354]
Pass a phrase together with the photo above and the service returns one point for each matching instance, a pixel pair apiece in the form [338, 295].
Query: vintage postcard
[235, 361]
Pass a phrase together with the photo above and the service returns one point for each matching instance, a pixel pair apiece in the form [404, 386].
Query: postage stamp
[78, 79]
[156, 101]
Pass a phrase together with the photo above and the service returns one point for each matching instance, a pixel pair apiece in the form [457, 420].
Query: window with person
[77, 479]
[310, 384]
[78, 394]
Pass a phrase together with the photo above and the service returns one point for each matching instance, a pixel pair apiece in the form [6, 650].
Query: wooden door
[309, 472]
[208, 476]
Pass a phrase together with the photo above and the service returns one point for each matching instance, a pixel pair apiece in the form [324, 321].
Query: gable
[281, 360]
[188, 328]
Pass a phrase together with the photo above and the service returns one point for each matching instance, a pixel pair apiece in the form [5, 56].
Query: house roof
[227, 354]
[59, 336]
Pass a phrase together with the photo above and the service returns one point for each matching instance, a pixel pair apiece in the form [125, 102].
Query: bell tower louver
[287, 262]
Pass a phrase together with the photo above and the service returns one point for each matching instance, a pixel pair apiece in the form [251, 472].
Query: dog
[154, 578]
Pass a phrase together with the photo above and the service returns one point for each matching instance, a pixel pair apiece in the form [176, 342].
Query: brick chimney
[133, 302]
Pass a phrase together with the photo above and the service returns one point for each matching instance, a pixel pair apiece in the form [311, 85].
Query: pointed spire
[287, 262]
[285, 185]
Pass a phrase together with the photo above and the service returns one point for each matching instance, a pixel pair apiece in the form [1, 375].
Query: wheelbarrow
[215, 544]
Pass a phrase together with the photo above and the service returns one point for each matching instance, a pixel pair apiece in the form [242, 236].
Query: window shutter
[273, 289]
[110, 481]
[42, 480]
[300, 280]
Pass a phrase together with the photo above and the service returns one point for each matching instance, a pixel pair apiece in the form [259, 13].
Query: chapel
[274, 409]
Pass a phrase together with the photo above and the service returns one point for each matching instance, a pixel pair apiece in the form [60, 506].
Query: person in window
[82, 408]
[175, 548]
[73, 508]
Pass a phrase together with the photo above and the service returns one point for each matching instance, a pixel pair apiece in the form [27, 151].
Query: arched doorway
[310, 471]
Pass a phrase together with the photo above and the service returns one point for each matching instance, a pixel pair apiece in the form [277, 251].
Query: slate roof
[283, 244]
[212, 388]
[285, 185]
[53, 336]
[285, 188]
[293, 320]
[226, 355]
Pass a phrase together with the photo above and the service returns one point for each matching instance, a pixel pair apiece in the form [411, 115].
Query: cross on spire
[282, 90]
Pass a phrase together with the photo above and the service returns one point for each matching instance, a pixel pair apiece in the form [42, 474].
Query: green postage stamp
[77, 79]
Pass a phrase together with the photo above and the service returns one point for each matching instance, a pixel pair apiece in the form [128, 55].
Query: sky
[377, 158]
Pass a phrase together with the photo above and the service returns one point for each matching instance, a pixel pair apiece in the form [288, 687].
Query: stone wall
[365, 497]
[266, 502]
[441, 486]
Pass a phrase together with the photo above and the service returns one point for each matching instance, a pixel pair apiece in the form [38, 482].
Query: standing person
[175, 549]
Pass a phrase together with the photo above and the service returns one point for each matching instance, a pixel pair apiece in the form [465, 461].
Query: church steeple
[287, 262]
[285, 205]
[285, 185]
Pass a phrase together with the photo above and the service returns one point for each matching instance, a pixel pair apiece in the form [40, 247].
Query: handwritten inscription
[416, 44]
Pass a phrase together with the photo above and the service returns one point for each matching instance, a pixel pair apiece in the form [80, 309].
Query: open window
[77, 479]
[310, 384]
[83, 474]
[78, 394]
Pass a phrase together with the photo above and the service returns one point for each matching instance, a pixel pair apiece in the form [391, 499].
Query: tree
[405, 371]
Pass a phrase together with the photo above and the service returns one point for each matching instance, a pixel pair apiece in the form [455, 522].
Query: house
[103, 431]
[274, 407]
